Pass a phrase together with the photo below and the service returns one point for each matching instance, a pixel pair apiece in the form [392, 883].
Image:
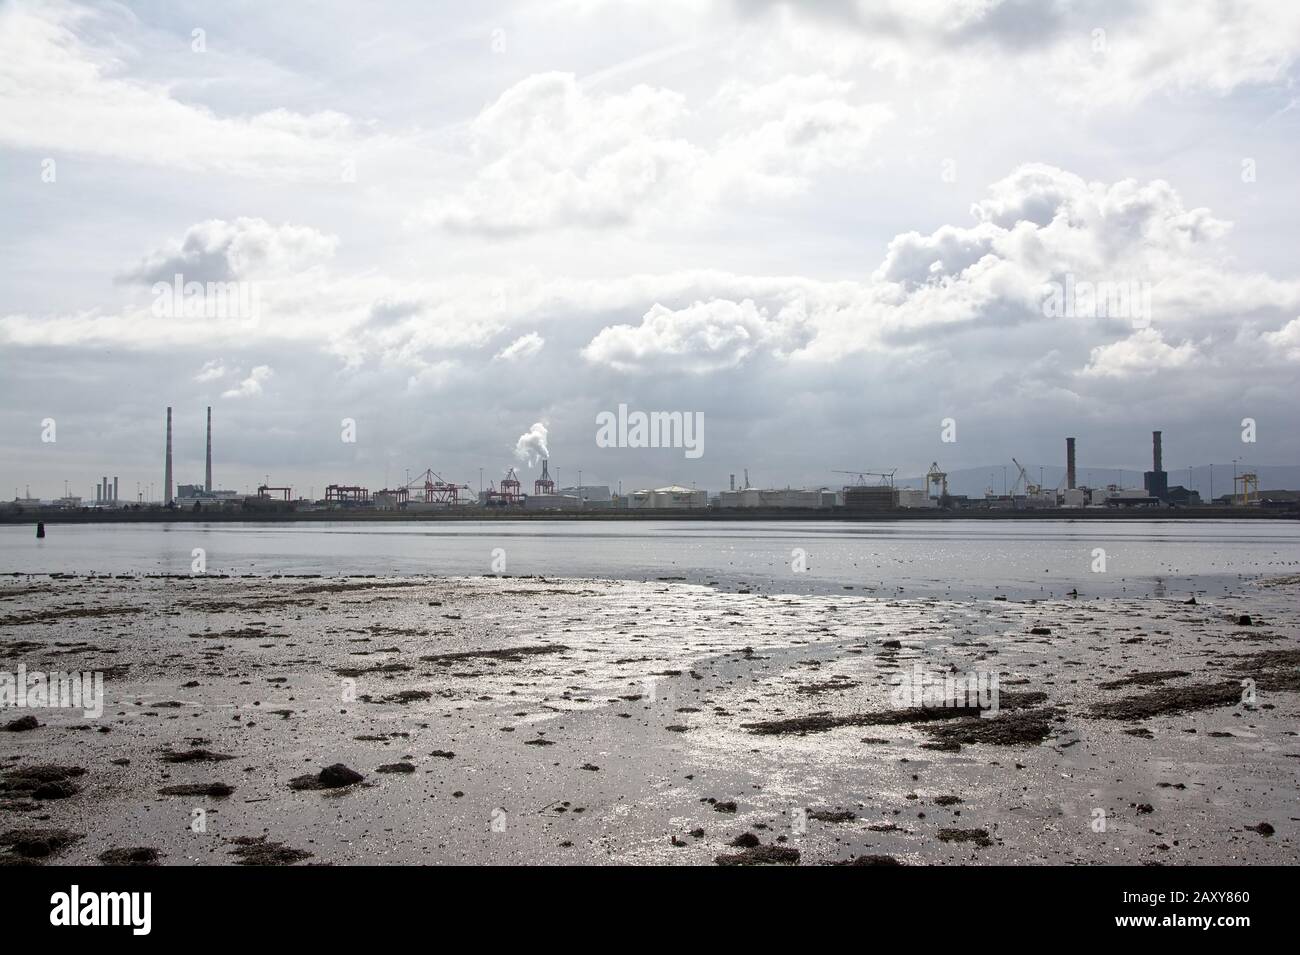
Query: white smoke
[531, 446]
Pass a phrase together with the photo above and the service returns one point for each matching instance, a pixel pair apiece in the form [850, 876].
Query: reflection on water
[958, 558]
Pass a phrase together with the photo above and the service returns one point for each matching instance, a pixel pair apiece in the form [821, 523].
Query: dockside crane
[1030, 488]
[430, 488]
[936, 477]
[886, 477]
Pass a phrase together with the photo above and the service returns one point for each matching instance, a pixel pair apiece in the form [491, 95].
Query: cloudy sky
[827, 228]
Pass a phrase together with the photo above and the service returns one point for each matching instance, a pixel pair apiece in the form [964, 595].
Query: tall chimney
[1155, 452]
[114, 489]
[167, 470]
[733, 482]
[1069, 463]
[207, 480]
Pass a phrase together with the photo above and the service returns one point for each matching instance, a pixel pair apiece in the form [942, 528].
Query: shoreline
[560, 720]
[728, 515]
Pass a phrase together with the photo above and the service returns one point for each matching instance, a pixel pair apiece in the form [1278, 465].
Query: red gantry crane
[510, 492]
[430, 488]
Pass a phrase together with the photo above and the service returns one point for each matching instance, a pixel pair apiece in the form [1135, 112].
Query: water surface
[956, 558]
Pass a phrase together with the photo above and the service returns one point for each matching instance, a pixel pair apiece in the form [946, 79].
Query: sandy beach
[302, 720]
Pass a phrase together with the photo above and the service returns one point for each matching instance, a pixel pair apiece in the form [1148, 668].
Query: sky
[849, 235]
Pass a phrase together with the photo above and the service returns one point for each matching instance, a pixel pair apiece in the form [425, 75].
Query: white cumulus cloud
[251, 386]
[522, 348]
[211, 371]
[219, 251]
[1142, 353]
[702, 337]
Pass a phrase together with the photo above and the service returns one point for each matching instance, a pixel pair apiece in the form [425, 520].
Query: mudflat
[289, 720]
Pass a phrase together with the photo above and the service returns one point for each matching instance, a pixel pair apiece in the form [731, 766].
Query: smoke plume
[531, 446]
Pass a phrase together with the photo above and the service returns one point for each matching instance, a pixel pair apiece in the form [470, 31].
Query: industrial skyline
[508, 485]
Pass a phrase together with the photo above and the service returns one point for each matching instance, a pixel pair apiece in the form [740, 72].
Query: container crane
[886, 477]
[936, 477]
[434, 489]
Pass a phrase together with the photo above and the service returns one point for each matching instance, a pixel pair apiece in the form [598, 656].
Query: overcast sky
[827, 229]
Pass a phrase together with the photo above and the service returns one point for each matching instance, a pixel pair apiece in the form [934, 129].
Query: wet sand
[528, 720]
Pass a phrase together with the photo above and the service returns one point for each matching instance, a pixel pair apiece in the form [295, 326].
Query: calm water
[980, 558]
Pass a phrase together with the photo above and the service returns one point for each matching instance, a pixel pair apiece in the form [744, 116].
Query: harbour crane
[935, 476]
[430, 488]
[886, 477]
[1031, 489]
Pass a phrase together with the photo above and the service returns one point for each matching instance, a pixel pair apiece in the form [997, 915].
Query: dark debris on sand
[216, 790]
[257, 850]
[1005, 729]
[194, 756]
[331, 777]
[1143, 679]
[37, 843]
[42, 782]
[404, 697]
[508, 654]
[832, 815]
[821, 722]
[978, 836]
[1169, 699]
[135, 855]
[869, 860]
[760, 855]
[1277, 670]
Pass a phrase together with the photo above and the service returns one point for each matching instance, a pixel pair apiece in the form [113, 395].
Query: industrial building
[781, 498]
[915, 497]
[585, 497]
[787, 497]
[868, 497]
[673, 496]
[1115, 496]
[553, 502]
[590, 493]
[192, 495]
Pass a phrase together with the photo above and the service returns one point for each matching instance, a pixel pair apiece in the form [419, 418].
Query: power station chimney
[114, 489]
[167, 470]
[733, 482]
[1156, 481]
[1069, 463]
[207, 480]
